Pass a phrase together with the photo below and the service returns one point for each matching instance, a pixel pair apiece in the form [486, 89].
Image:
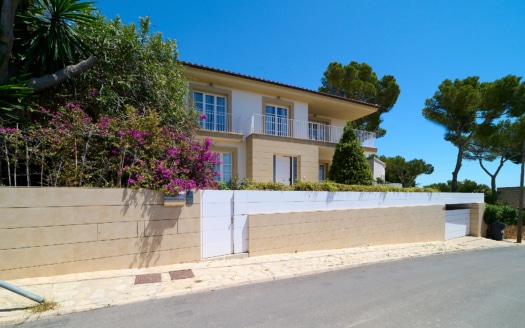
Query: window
[322, 172]
[276, 122]
[224, 169]
[214, 109]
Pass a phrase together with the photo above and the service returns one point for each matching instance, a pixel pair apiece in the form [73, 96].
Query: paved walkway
[92, 290]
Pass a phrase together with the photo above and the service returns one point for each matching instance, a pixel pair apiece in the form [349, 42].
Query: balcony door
[276, 121]
[214, 109]
[317, 131]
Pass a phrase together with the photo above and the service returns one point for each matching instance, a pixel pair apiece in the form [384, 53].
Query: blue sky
[421, 43]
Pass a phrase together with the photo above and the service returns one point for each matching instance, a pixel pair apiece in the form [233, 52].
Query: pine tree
[349, 165]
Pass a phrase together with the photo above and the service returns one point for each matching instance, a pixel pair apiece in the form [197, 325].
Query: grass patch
[43, 307]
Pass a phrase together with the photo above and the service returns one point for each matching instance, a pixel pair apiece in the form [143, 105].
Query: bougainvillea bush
[68, 148]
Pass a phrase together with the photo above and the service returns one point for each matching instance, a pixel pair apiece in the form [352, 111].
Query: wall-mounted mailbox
[178, 200]
[189, 197]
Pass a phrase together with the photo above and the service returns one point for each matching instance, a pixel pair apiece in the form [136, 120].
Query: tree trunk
[7, 37]
[49, 80]
[457, 168]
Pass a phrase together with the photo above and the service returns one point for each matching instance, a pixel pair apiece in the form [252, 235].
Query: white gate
[457, 223]
[223, 232]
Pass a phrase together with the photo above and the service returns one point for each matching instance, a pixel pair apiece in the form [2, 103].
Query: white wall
[377, 167]
[259, 202]
[244, 106]
[300, 112]
[221, 237]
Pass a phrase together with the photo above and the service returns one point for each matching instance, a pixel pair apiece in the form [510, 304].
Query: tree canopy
[114, 112]
[40, 47]
[359, 82]
[349, 165]
[495, 142]
[467, 186]
[48, 36]
[136, 68]
[398, 170]
[466, 107]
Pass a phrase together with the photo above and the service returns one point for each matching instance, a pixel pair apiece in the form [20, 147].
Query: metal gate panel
[457, 223]
[216, 223]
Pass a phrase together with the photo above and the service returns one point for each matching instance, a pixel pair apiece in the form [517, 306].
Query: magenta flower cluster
[70, 149]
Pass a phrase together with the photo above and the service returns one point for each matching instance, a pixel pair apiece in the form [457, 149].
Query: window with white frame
[322, 172]
[213, 107]
[224, 170]
[317, 131]
[276, 122]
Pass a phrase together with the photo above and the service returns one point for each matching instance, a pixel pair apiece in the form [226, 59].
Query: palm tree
[47, 38]
[40, 46]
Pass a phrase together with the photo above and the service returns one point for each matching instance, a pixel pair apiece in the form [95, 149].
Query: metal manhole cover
[181, 274]
[148, 278]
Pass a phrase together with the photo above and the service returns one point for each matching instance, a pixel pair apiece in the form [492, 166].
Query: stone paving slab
[92, 290]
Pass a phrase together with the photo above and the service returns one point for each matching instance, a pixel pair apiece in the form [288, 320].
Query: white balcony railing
[283, 127]
[218, 122]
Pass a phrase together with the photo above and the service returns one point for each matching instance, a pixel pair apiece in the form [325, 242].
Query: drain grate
[181, 274]
[148, 278]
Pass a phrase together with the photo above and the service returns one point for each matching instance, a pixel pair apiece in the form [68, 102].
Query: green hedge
[498, 213]
[318, 186]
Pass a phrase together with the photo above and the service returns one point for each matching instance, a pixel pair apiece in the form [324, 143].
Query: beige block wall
[53, 231]
[478, 228]
[308, 231]
[259, 157]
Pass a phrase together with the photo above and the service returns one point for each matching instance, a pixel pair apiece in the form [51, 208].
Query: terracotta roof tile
[211, 69]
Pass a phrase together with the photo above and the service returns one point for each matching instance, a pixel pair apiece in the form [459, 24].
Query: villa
[270, 131]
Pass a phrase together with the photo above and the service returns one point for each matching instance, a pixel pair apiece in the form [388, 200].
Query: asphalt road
[484, 288]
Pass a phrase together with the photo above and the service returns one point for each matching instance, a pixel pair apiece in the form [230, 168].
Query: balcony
[283, 127]
[219, 122]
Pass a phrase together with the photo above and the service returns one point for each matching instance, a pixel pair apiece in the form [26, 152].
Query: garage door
[457, 223]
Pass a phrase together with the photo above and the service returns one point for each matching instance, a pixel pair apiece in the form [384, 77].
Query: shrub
[268, 186]
[349, 165]
[328, 185]
[234, 184]
[498, 213]
[68, 149]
